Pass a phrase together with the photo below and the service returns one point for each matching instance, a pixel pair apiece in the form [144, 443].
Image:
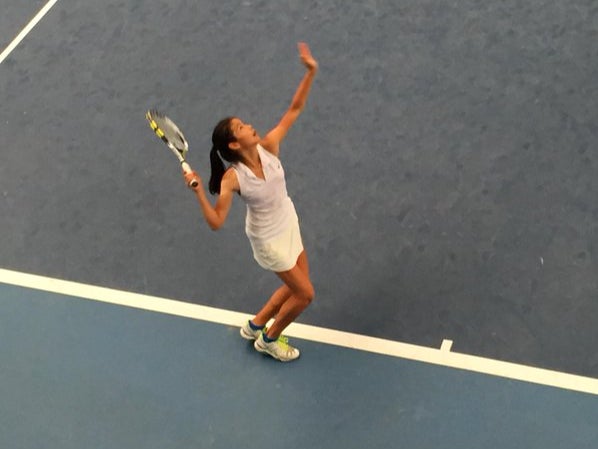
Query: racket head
[169, 132]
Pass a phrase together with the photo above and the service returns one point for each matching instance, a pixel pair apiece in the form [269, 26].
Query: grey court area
[444, 167]
[14, 17]
[92, 375]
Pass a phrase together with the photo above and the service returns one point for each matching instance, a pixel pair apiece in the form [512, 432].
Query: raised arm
[272, 140]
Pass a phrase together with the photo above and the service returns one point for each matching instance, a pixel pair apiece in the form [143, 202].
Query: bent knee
[309, 295]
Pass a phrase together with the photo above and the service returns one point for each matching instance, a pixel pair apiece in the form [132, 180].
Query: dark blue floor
[79, 373]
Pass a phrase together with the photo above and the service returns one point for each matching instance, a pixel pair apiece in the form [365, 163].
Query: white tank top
[269, 209]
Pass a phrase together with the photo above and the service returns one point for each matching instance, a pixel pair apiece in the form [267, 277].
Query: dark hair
[221, 137]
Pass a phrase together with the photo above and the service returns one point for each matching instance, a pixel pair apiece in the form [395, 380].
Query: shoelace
[283, 342]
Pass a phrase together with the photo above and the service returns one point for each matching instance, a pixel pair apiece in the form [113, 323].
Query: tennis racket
[172, 136]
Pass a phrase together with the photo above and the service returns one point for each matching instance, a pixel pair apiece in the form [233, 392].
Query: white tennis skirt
[281, 252]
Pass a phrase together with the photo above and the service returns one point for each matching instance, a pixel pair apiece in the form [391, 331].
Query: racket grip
[187, 169]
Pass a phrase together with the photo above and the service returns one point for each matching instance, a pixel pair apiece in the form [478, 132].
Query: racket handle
[187, 169]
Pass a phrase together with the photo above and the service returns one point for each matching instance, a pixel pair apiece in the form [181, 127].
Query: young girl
[271, 224]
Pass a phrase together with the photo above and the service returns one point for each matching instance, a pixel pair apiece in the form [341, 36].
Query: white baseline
[434, 356]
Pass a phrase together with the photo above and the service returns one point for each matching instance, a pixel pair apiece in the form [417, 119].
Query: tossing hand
[306, 58]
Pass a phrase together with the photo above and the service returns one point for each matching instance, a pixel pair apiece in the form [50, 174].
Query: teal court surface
[97, 368]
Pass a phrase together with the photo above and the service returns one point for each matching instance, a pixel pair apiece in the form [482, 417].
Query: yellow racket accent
[179, 148]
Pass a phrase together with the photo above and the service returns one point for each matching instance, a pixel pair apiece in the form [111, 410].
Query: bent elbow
[297, 107]
[215, 224]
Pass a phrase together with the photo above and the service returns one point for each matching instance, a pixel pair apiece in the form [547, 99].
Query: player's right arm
[216, 215]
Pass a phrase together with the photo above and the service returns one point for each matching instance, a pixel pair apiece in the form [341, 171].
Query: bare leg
[271, 308]
[301, 293]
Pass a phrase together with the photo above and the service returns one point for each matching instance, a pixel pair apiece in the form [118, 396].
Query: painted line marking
[446, 345]
[433, 356]
[17, 40]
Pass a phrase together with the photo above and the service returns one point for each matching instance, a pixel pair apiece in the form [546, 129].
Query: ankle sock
[268, 339]
[254, 327]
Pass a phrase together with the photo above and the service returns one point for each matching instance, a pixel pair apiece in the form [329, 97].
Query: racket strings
[166, 130]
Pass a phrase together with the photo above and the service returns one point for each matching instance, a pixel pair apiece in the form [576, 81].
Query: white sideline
[434, 356]
[17, 40]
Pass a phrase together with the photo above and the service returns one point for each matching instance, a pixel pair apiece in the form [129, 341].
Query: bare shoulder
[271, 144]
[230, 181]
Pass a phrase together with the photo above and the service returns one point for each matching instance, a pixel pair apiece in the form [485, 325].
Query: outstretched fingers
[306, 57]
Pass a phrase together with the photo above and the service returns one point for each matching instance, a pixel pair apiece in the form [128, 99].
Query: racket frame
[179, 152]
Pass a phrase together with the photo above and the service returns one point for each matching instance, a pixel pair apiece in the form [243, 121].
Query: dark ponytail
[218, 170]
[221, 137]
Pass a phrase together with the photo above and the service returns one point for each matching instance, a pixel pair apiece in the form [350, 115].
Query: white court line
[307, 332]
[446, 345]
[17, 40]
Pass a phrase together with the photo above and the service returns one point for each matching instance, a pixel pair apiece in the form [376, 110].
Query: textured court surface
[94, 375]
[444, 168]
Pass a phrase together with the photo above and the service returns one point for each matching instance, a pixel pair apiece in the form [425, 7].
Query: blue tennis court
[83, 373]
[445, 179]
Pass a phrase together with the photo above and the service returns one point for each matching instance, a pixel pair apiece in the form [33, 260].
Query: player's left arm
[272, 140]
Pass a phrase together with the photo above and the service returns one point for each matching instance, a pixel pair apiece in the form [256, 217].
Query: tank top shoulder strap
[242, 175]
[265, 155]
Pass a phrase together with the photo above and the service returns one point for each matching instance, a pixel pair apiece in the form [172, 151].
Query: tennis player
[272, 226]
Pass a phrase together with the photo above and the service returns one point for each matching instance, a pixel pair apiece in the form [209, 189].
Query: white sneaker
[248, 333]
[279, 349]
